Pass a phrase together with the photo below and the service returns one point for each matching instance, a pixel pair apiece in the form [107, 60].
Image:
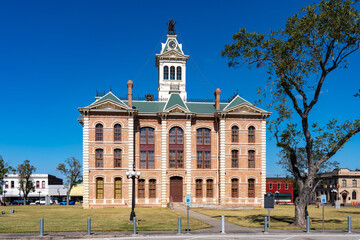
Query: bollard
[265, 225]
[179, 225]
[307, 224]
[89, 226]
[41, 227]
[349, 224]
[134, 225]
[222, 224]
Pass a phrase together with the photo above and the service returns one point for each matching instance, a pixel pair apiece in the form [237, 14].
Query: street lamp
[133, 174]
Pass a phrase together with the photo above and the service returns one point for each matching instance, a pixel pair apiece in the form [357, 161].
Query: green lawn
[74, 219]
[283, 216]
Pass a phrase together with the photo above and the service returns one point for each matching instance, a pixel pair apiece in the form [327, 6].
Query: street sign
[187, 200]
[269, 200]
[323, 198]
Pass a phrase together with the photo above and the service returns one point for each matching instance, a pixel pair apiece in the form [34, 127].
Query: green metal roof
[148, 106]
[236, 101]
[110, 96]
[175, 99]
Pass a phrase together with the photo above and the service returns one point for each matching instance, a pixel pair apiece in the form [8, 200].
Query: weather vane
[171, 27]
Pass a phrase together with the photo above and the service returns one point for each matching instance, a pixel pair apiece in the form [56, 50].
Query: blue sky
[55, 55]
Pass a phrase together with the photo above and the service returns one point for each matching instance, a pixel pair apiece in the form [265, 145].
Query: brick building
[215, 151]
[283, 188]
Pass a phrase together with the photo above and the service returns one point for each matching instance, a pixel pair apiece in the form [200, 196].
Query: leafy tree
[298, 59]
[25, 170]
[71, 169]
[4, 169]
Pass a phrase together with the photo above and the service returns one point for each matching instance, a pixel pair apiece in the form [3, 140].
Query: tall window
[234, 134]
[343, 183]
[166, 72]
[176, 148]
[152, 188]
[172, 73]
[147, 148]
[354, 195]
[234, 188]
[209, 188]
[117, 188]
[178, 73]
[43, 184]
[278, 185]
[270, 186]
[117, 158]
[141, 188]
[12, 184]
[99, 188]
[199, 193]
[354, 183]
[6, 184]
[286, 186]
[117, 132]
[251, 134]
[203, 148]
[251, 159]
[234, 158]
[99, 155]
[37, 184]
[251, 188]
[99, 132]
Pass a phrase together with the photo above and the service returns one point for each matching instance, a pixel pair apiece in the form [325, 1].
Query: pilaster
[263, 161]
[188, 156]
[131, 152]
[86, 162]
[163, 160]
[222, 160]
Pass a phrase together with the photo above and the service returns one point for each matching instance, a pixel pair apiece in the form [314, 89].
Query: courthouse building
[214, 150]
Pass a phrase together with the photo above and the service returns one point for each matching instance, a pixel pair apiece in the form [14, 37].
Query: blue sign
[323, 198]
[187, 200]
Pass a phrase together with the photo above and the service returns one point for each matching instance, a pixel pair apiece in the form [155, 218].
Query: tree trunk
[300, 211]
[67, 197]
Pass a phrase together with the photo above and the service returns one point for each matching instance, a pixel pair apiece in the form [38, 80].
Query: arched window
[176, 148]
[99, 132]
[251, 188]
[209, 188]
[172, 73]
[166, 72]
[117, 188]
[234, 158]
[147, 148]
[99, 188]
[354, 195]
[354, 183]
[234, 134]
[251, 159]
[99, 155]
[234, 188]
[279, 185]
[270, 186]
[199, 193]
[152, 188]
[141, 188]
[178, 73]
[251, 134]
[117, 132]
[343, 183]
[203, 148]
[117, 158]
[286, 186]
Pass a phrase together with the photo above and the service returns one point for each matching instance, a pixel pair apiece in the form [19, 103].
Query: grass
[57, 218]
[283, 216]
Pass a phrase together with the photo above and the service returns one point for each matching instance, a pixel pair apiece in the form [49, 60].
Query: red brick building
[214, 150]
[282, 188]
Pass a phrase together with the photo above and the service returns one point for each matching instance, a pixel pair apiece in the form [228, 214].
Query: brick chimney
[217, 98]
[130, 86]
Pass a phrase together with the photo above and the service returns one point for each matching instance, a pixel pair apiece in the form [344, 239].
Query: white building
[45, 185]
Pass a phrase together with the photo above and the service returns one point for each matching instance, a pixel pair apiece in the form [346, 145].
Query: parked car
[42, 201]
[19, 202]
[71, 202]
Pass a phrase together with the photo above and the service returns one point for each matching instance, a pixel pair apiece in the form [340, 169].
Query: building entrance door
[176, 189]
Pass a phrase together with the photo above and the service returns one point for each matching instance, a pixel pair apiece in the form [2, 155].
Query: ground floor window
[234, 188]
[99, 188]
[251, 188]
[199, 188]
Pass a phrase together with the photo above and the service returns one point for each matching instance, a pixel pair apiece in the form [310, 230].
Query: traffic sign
[187, 200]
[323, 198]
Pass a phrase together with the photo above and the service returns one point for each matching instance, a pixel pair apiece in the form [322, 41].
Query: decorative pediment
[177, 109]
[173, 54]
[244, 108]
[109, 105]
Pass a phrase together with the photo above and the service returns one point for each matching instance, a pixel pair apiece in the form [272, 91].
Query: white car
[42, 201]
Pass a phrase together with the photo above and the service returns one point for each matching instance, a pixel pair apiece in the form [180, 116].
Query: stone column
[86, 162]
[263, 161]
[222, 160]
[188, 155]
[131, 153]
[163, 161]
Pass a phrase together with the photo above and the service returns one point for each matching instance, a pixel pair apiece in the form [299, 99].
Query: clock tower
[171, 64]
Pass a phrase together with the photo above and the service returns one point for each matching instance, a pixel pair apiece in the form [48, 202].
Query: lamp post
[133, 175]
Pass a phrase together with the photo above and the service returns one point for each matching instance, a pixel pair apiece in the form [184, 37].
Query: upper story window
[234, 158]
[278, 186]
[166, 72]
[12, 184]
[270, 186]
[251, 134]
[251, 159]
[147, 148]
[99, 157]
[117, 158]
[176, 148]
[43, 184]
[99, 188]
[6, 184]
[178, 73]
[286, 186]
[172, 73]
[117, 132]
[99, 132]
[203, 148]
[234, 134]
[251, 188]
[343, 183]
[354, 183]
[37, 184]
